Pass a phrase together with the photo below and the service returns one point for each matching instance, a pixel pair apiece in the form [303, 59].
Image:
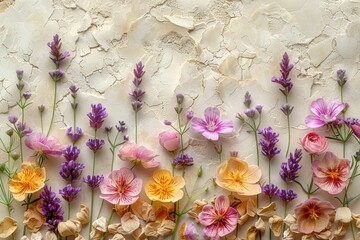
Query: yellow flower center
[312, 214]
[333, 173]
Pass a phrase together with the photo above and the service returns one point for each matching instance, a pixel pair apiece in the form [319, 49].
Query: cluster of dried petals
[118, 236]
[275, 224]
[50, 236]
[33, 220]
[69, 228]
[268, 211]
[356, 219]
[129, 223]
[246, 209]
[156, 229]
[121, 210]
[164, 211]
[143, 210]
[197, 208]
[83, 215]
[99, 228]
[7, 227]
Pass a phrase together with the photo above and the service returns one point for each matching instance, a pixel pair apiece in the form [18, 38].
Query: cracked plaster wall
[212, 51]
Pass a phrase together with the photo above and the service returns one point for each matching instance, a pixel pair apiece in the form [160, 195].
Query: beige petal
[323, 235]
[69, 228]
[251, 233]
[139, 234]
[275, 224]
[79, 237]
[83, 214]
[288, 235]
[129, 222]
[356, 218]
[243, 219]
[118, 236]
[7, 227]
[96, 234]
[166, 228]
[24, 238]
[143, 210]
[100, 224]
[343, 214]
[267, 211]
[33, 220]
[50, 236]
[307, 237]
[260, 225]
[120, 210]
[151, 229]
[289, 220]
[36, 236]
[197, 208]
[340, 230]
[113, 228]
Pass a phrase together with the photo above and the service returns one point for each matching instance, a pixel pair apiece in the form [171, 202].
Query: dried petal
[7, 227]
[166, 228]
[83, 214]
[139, 234]
[24, 238]
[275, 224]
[243, 219]
[197, 208]
[113, 228]
[307, 237]
[121, 209]
[36, 236]
[343, 214]
[340, 230]
[289, 220]
[356, 218]
[156, 229]
[288, 235]
[251, 233]
[79, 237]
[151, 229]
[129, 222]
[33, 220]
[323, 235]
[69, 228]
[100, 224]
[260, 225]
[143, 210]
[267, 211]
[50, 236]
[118, 236]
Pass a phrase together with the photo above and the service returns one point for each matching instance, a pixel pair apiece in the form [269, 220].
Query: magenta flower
[43, 145]
[211, 127]
[220, 220]
[323, 114]
[130, 152]
[121, 187]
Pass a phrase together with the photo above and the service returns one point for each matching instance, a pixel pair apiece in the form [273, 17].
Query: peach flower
[313, 215]
[164, 188]
[29, 179]
[314, 143]
[130, 152]
[237, 176]
[331, 174]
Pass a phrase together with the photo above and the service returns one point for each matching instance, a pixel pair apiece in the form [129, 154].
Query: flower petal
[208, 216]
[212, 114]
[198, 124]
[313, 121]
[213, 136]
[225, 127]
[335, 108]
[222, 204]
[318, 107]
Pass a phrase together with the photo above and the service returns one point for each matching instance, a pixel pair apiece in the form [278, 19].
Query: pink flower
[43, 145]
[314, 143]
[211, 127]
[323, 114]
[169, 140]
[188, 232]
[220, 220]
[356, 129]
[121, 187]
[331, 174]
[130, 152]
[313, 215]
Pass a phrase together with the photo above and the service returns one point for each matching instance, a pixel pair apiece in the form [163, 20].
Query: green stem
[21, 148]
[311, 181]
[68, 213]
[289, 135]
[269, 172]
[91, 213]
[108, 223]
[41, 122]
[53, 110]
[136, 125]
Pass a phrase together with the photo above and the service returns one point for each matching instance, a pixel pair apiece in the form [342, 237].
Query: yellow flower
[29, 179]
[237, 176]
[164, 188]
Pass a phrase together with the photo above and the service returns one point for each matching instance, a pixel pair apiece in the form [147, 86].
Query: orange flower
[237, 176]
[164, 188]
[29, 179]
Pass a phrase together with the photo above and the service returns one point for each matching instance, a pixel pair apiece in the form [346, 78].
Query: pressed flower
[95, 144]
[69, 192]
[290, 169]
[131, 152]
[71, 171]
[164, 188]
[219, 220]
[33, 220]
[314, 143]
[269, 189]
[188, 232]
[212, 127]
[323, 114]
[51, 209]
[93, 181]
[268, 143]
[28, 180]
[121, 187]
[7, 227]
[43, 145]
[83, 215]
[313, 215]
[55, 46]
[284, 79]
[97, 115]
[331, 174]
[183, 160]
[69, 228]
[237, 176]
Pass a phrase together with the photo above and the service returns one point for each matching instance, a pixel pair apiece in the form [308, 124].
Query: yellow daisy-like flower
[237, 176]
[29, 179]
[165, 188]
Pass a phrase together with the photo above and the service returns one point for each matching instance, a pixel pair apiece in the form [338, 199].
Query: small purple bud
[189, 114]
[56, 74]
[259, 108]
[26, 95]
[12, 119]
[342, 78]
[108, 129]
[136, 105]
[286, 109]
[126, 138]
[178, 110]
[240, 116]
[346, 107]
[179, 98]
[250, 113]
[73, 89]
[20, 86]
[19, 74]
[167, 123]
[247, 100]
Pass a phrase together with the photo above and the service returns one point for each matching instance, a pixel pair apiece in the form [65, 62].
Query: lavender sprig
[71, 171]
[286, 196]
[289, 170]
[268, 143]
[69, 193]
[97, 116]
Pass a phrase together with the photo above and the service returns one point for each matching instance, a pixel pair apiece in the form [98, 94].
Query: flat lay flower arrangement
[164, 204]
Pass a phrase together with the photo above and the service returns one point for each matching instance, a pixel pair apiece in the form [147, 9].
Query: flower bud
[178, 110]
[41, 108]
[15, 156]
[12, 119]
[2, 167]
[167, 123]
[108, 129]
[179, 98]
[10, 132]
[234, 153]
[169, 140]
[19, 74]
[189, 114]
[342, 78]
[126, 138]
[247, 99]
[240, 116]
[250, 113]
[286, 109]
[56, 74]
[26, 95]
[199, 173]
[259, 108]
[218, 148]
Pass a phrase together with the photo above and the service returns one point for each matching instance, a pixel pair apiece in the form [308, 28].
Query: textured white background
[212, 51]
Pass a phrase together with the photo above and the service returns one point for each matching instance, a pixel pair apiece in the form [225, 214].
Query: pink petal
[222, 204]
[305, 225]
[144, 154]
[113, 199]
[313, 121]
[214, 136]
[318, 107]
[335, 108]
[126, 152]
[212, 114]
[321, 222]
[125, 199]
[208, 216]
[134, 188]
[107, 186]
[198, 124]
[225, 127]
[122, 177]
[150, 164]
[211, 231]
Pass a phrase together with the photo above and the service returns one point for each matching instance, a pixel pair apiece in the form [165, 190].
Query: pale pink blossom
[323, 114]
[121, 187]
[43, 145]
[219, 220]
[131, 152]
[169, 140]
[211, 127]
[331, 174]
[314, 143]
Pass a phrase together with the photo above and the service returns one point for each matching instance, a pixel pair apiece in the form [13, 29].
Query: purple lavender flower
[69, 192]
[93, 181]
[250, 113]
[97, 115]
[167, 123]
[22, 129]
[268, 143]
[136, 105]
[247, 100]
[76, 135]
[286, 196]
[51, 209]
[73, 89]
[19, 74]
[342, 78]
[138, 73]
[189, 114]
[179, 98]
[121, 127]
[26, 95]
[259, 108]
[289, 170]
[95, 144]
[56, 74]
[269, 190]
[183, 160]
[57, 56]
[284, 79]
[137, 93]
[71, 153]
[286, 109]
[71, 171]
[12, 119]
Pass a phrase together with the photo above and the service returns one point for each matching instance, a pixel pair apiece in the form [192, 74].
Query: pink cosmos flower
[43, 145]
[121, 187]
[313, 215]
[331, 174]
[131, 152]
[211, 127]
[220, 220]
[169, 140]
[314, 143]
[323, 114]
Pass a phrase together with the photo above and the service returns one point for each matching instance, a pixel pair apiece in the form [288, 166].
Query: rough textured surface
[212, 51]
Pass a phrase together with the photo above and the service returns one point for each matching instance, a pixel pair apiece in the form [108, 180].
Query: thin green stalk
[289, 135]
[108, 222]
[53, 110]
[311, 181]
[68, 212]
[136, 125]
[21, 148]
[92, 209]
[41, 122]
